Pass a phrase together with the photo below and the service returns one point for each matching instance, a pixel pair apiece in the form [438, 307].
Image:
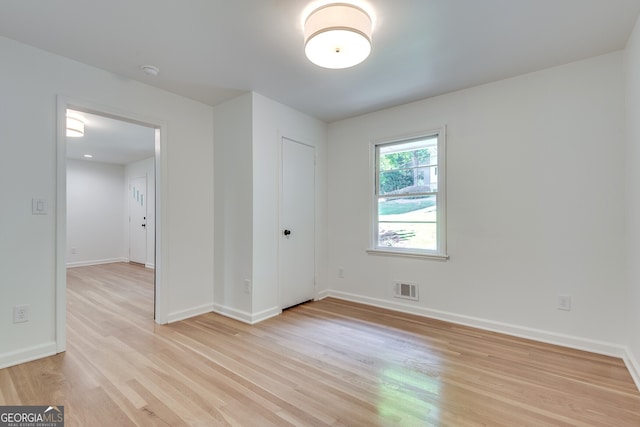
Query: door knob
[286, 232]
[144, 225]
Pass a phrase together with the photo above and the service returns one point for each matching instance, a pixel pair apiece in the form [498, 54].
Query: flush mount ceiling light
[75, 127]
[337, 35]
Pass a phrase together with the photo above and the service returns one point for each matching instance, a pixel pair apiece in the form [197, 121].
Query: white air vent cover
[406, 290]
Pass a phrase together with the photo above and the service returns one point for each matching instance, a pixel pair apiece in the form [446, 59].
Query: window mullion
[405, 195]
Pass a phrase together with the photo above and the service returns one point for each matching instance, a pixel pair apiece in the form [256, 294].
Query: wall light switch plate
[38, 206]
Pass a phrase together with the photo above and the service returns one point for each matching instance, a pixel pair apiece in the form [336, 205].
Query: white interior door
[138, 220]
[297, 221]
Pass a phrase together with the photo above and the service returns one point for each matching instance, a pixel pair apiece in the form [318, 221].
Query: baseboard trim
[246, 317]
[191, 312]
[27, 355]
[633, 366]
[95, 262]
[322, 295]
[150, 265]
[233, 313]
[265, 314]
[578, 343]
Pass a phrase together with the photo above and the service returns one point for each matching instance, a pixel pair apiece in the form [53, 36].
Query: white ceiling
[212, 50]
[111, 141]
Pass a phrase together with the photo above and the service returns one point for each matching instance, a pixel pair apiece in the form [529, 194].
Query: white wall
[633, 189]
[30, 81]
[535, 206]
[96, 213]
[139, 169]
[234, 207]
[248, 130]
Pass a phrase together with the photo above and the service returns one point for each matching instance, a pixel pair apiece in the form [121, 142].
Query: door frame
[281, 139]
[160, 300]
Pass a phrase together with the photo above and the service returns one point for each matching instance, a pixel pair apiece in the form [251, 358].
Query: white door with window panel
[297, 221]
[138, 220]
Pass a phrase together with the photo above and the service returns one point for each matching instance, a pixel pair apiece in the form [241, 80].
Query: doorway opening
[110, 192]
[108, 197]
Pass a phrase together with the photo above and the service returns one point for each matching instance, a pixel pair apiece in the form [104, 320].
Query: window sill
[407, 254]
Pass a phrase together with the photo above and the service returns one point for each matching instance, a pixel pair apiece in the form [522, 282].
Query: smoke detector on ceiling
[150, 70]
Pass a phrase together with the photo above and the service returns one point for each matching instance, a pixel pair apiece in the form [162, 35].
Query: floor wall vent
[406, 290]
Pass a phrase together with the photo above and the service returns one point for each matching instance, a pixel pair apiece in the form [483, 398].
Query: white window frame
[440, 253]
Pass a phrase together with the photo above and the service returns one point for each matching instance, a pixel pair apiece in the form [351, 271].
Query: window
[409, 196]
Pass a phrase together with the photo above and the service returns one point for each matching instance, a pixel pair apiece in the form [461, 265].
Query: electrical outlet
[73, 251]
[247, 286]
[20, 313]
[341, 272]
[564, 302]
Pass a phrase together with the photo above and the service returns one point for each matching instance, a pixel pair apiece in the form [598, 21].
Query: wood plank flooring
[327, 363]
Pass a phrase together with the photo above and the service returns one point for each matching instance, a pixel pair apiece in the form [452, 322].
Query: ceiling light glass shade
[75, 127]
[337, 35]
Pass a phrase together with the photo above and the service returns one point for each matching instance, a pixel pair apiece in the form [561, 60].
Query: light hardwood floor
[327, 363]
